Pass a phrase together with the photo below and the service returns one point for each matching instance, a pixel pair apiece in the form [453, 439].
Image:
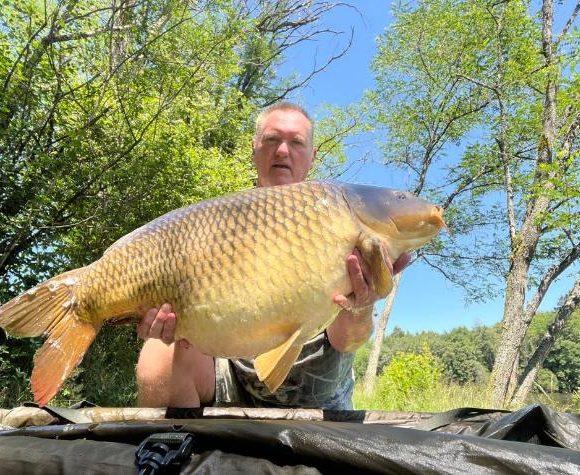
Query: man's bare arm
[354, 324]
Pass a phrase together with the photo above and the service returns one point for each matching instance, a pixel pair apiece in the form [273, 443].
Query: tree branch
[568, 24]
[552, 273]
[314, 71]
[546, 342]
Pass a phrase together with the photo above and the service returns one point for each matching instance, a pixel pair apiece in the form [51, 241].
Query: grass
[437, 398]
[442, 397]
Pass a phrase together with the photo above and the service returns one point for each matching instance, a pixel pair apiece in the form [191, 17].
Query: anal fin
[273, 366]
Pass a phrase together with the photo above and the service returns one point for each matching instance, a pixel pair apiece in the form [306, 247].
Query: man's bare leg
[175, 375]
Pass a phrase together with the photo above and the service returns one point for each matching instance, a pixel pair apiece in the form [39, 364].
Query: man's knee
[174, 375]
[154, 373]
[190, 365]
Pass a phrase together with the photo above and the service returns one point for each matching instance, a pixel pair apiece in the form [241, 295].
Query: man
[176, 374]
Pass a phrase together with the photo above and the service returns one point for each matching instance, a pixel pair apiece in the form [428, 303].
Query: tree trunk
[546, 342]
[373, 363]
[515, 323]
[513, 332]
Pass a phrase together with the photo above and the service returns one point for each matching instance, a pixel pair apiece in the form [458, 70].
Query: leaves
[113, 113]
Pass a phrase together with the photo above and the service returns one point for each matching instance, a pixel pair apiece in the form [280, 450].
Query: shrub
[361, 359]
[547, 380]
[408, 377]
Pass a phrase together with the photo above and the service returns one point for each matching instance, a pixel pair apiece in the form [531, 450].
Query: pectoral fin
[273, 366]
[376, 255]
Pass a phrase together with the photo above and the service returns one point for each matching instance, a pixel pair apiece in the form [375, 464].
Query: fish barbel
[250, 275]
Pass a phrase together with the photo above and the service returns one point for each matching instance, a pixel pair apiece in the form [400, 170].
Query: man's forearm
[350, 331]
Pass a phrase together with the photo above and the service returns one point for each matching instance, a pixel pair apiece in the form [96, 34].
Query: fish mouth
[437, 218]
[429, 225]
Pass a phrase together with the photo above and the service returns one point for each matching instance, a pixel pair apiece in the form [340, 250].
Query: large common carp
[252, 274]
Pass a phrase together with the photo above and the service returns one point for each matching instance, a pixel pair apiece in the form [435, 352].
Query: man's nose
[282, 150]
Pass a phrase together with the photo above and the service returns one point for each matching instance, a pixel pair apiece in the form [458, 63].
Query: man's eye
[297, 142]
[271, 140]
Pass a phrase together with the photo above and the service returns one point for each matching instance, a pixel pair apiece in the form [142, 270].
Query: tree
[461, 355]
[535, 362]
[419, 116]
[373, 359]
[489, 83]
[549, 190]
[115, 112]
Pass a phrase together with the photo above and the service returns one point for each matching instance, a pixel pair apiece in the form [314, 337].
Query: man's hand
[158, 323]
[354, 323]
[363, 296]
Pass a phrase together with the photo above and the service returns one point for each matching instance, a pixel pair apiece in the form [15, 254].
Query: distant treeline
[467, 355]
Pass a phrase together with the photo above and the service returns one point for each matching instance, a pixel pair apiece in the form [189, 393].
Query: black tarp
[532, 440]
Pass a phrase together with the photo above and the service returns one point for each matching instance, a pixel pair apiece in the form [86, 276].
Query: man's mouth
[281, 166]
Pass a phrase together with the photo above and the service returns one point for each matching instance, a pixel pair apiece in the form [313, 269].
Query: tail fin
[50, 308]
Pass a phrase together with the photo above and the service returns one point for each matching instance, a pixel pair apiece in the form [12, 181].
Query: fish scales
[205, 253]
[252, 274]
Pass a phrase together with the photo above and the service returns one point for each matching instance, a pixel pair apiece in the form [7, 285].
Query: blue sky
[425, 301]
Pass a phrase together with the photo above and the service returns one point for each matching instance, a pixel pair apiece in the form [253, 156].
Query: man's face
[283, 151]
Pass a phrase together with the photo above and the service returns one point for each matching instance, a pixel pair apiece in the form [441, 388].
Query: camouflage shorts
[321, 378]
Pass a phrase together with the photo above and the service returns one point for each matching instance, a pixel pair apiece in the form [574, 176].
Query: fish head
[399, 217]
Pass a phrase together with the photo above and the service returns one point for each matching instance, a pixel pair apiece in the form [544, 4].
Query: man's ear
[254, 150]
[314, 152]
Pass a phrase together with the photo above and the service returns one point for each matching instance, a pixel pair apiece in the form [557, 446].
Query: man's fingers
[157, 326]
[401, 262]
[357, 278]
[156, 330]
[343, 302]
[166, 309]
[168, 332]
[364, 266]
[145, 324]
[158, 323]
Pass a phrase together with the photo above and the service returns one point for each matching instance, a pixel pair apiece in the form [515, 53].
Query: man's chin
[280, 176]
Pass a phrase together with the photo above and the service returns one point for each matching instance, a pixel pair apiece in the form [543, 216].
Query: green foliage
[465, 357]
[110, 363]
[409, 376]
[15, 368]
[111, 114]
[547, 380]
[361, 358]
[399, 341]
[563, 360]
[103, 131]
[438, 398]
[435, 381]
[575, 401]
